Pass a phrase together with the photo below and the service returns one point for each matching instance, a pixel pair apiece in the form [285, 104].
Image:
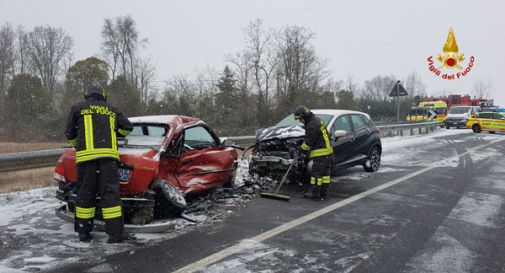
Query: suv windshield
[290, 120]
[150, 135]
[459, 110]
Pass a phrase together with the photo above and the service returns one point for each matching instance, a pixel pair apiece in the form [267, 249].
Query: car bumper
[129, 204]
[455, 123]
[271, 159]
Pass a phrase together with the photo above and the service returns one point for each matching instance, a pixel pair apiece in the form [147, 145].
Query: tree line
[276, 70]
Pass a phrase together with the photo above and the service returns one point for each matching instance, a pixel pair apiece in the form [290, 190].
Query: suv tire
[373, 161]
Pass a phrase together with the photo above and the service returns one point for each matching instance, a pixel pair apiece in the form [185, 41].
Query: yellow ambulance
[428, 111]
[439, 107]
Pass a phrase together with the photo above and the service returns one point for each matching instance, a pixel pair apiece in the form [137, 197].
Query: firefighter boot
[119, 238]
[313, 192]
[324, 192]
[85, 237]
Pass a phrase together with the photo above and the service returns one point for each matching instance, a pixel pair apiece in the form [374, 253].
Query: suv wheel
[373, 162]
[476, 128]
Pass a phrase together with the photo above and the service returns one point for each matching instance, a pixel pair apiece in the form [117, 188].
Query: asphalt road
[435, 206]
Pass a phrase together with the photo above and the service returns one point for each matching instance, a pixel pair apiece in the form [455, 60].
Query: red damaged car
[163, 160]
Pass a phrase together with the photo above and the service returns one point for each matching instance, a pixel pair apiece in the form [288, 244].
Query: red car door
[203, 162]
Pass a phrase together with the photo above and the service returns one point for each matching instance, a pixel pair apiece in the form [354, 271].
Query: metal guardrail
[37, 159]
[29, 160]
[386, 131]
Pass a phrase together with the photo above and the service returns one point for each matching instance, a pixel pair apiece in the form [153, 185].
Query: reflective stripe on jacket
[92, 128]
[317, 139]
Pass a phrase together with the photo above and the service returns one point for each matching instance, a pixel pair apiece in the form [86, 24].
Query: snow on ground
[33, 238]
[404, 153]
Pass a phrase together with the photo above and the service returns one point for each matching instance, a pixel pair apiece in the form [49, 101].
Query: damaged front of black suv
[276, 148]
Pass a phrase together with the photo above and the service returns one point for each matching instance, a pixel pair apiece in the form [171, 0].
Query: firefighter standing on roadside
[318, 146]
[92, 128]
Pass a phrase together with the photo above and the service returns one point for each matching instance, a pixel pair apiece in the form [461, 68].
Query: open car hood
[275, 132]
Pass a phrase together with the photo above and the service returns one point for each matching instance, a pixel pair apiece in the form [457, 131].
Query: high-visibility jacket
[92, 128]
[317, 139]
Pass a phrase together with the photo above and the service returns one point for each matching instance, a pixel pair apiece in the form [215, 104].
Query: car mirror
[231, 143]
[228, 143]
[340, 133]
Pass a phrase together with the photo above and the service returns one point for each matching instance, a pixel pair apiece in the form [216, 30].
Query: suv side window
[358, 122]
[342, 123]
[199, 137]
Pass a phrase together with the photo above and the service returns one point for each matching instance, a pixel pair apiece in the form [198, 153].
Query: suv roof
[337, 112]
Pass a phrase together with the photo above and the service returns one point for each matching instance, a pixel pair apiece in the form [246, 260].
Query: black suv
[354, 137]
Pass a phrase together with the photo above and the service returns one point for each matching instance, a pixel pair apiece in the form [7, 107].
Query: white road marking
[246, 243]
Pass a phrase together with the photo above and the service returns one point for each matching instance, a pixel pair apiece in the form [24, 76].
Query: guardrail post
[411, 132]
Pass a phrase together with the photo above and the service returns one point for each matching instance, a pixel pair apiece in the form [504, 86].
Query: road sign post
[398, 91]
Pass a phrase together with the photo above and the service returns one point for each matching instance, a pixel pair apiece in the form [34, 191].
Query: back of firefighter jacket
[92, 128]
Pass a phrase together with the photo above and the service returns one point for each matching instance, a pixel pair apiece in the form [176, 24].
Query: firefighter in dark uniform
[92, 128]
[318, 147]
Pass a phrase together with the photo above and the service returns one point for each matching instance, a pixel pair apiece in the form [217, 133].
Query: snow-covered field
[32, 238]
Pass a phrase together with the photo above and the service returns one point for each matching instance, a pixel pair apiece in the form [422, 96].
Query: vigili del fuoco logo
[451, 59]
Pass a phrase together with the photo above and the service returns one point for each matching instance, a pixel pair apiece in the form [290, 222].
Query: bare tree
[350, 84]
[378, 88]
[482, 88]
[7, 58]
[144, 77]
[120, 44]
[111, 46]
[414, 85]
[260, 54]
[47, 48]
[244, 74]
[300, 72]
[23, 58]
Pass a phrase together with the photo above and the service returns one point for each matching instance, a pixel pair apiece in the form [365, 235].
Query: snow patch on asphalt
[478, 208]
[444, 254]
[492, 182]
[253, 251]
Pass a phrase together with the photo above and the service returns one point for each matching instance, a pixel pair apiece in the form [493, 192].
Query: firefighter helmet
[95, 89]
[301, 112]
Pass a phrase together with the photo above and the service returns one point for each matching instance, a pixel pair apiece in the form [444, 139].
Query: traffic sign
[398, 90]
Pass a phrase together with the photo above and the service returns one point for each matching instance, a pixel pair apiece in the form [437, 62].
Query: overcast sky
[362, 38]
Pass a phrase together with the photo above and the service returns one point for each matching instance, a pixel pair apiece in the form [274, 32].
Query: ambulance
[428, 111]
[487, 121]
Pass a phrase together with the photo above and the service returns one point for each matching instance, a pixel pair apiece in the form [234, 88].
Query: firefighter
[92, 128]
[318, 147]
